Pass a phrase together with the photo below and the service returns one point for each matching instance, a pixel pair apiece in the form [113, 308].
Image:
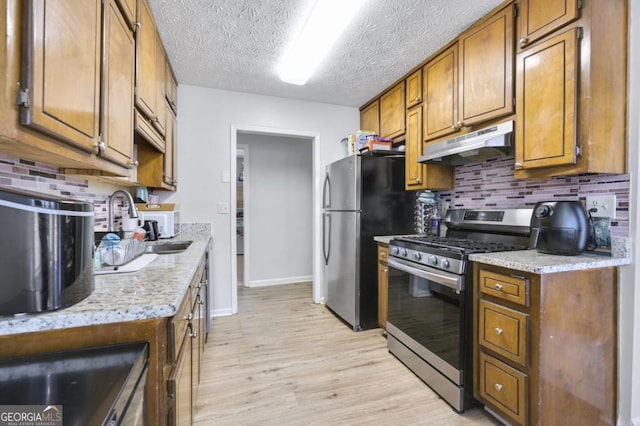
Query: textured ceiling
[237, 44]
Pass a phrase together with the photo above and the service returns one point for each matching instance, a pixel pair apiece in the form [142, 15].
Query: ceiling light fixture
[323, 27]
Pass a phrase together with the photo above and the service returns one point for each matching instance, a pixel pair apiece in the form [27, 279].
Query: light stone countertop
[532, 261]
[385, 239]
[153, 292]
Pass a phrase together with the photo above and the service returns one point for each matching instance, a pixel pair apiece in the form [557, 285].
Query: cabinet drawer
[513, 289]
[383, 254]
[177, 329]
[503, 331]
[503, 387]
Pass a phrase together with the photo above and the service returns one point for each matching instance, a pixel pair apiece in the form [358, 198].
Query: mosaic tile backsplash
[490, 184]
[38, 177]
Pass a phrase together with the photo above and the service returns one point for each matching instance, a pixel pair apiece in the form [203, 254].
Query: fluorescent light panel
[327, 21]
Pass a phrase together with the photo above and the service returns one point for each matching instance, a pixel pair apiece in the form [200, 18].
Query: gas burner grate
[463, 244]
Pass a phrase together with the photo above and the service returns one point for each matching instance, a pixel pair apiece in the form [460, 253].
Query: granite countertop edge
[539, 263]
[153, 292]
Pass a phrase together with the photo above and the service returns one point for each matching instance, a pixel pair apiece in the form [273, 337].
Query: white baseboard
[221, 312]
[280, 281]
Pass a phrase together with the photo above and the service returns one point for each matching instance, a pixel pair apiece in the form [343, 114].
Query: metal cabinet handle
[518, 165]
[498, 331]
[189, 317]
[156, 119]
[193, 335]
[416, 100]
[524, 41]
[498, 387]
[498, 287]
[386, 270]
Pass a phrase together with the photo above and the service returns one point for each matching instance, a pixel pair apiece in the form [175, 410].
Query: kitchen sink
[168, 248]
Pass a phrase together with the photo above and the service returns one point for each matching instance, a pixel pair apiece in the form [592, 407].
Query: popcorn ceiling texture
[237, 44]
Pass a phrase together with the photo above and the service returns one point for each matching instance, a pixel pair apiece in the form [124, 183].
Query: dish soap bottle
[435, 222]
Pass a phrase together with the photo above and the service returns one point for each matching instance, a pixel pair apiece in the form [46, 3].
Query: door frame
[318, 291]
[246, 199]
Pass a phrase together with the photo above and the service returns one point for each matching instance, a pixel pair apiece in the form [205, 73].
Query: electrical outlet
[223, 208]
[605, 205]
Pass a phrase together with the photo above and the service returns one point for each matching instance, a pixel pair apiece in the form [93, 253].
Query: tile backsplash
[32, 176]
[490, 184]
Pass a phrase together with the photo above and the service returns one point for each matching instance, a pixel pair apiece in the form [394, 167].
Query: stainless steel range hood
[484, 144]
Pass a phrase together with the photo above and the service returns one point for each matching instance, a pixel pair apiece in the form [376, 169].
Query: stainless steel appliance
[363, 197]
[95, 386]
[430, 296]
[559, 227]
[46, 251]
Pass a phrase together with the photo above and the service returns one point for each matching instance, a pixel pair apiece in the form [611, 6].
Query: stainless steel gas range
[430, 296]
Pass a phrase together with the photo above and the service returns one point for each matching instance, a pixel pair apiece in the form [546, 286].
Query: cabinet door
[160, 120]
[128, 8]
[180, 385]
[146, 52]
[171, 88]
[61, 69]
[117, 87]
[414, 171]
[170, 149]
[414, 89]
[440, 82]
[392, 112]
[547, 78]
[370, 118]
[538, 18]
[486, 69]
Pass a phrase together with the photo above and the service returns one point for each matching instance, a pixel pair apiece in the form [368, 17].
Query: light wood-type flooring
[284, 360]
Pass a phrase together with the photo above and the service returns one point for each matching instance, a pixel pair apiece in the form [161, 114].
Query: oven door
[426, 309]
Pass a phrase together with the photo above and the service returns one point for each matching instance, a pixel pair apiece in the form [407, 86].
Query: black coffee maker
[559, 227]
[151, 226]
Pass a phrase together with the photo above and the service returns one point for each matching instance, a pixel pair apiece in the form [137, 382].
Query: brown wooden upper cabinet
[171, 91]
[539, 18]
[118, 82]
[471, 81]
[370, 117]
[546, 125]
[418, 175]
[150, 69]
[65, 36]
[128, 8]
[392, 112]
[571, 93]
[440, 84]
[414, 89]
[486, 69]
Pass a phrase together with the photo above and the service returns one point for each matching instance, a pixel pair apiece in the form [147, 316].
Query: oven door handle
[453, 281]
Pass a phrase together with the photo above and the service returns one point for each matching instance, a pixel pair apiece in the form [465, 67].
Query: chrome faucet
[133, 213]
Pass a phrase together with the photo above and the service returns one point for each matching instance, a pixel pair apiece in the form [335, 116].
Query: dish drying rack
[115, 256]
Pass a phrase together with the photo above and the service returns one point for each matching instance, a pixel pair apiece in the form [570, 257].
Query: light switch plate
[226, 177]
[223, 208]
[605, 205]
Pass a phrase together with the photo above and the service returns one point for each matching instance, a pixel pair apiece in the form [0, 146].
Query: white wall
[280, 209]
[205, 122]
[629, 292]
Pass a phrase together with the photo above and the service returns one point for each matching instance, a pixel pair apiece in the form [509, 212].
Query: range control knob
[403, 252]
[395, 250]
[444, 263]
[417, 256]
[432, 260]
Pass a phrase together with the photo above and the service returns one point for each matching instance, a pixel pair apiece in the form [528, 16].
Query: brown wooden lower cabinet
[545, 345]
[383, 284]
[173, 368]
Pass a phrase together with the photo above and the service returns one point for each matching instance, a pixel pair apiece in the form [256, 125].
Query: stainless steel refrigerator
[363, 196]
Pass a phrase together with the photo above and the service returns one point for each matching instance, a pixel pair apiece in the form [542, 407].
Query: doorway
[242, 183]
[312, 139]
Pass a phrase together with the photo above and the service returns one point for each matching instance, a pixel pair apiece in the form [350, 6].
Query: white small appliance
[168, 222]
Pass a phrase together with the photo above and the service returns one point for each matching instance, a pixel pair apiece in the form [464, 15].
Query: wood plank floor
[286, 361]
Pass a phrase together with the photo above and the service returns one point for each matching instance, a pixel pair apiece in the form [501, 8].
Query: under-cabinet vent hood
[484, 144]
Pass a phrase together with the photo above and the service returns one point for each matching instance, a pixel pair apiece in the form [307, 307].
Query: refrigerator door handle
[326, 191]
[326, 245]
